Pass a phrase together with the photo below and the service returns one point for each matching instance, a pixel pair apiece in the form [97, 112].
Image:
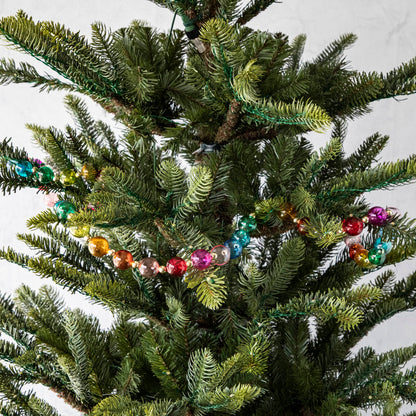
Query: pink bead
[201, 259]
[350, 240]
[50, 199]
[148, 267]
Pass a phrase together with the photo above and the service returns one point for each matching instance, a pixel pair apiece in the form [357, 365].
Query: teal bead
[377, 256]
[235, 248]
[242, 236]
[385, 245]
[24, 169]
[63, 209]
[247, 223]
[45, 174]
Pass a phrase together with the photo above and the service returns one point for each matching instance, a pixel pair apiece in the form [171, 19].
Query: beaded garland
[201, 259]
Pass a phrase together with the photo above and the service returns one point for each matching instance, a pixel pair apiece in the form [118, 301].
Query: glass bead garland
[233, 247]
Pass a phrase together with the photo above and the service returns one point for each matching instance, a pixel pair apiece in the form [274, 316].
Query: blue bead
[24, 169]
[385, 245]
[235, 248]
[242, 236]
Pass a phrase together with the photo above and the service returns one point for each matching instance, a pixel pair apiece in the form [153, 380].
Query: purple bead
[377, 216]
[201, 259]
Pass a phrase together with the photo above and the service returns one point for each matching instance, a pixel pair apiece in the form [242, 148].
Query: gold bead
[98, 246]
[135, 264]
[189, 263]
[364, 220]
[162, 269]
[111, 252]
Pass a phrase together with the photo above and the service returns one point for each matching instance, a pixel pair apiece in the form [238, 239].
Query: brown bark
[225, 132]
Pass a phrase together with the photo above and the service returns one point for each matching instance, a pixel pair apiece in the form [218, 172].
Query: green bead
[68, 177]
[247, 223]
[45, 174]
[63, 209]
[242, 236]
[377, 256]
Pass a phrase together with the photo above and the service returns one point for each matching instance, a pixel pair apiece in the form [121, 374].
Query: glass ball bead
[148, 267]
[302, 224]
[98, 246]
[350, 240]
[123, 259]
[176, 266]
[80, 231]
[45, 174]
[392, 213]
[24, 169]
[353, 249]
[88, 172]
[201, 259]
[377, 256]
[63, 209]
[50, 199]
[377, 216]
[352, 225]
[385, 245]
[361, 258]
[242, 236]
[220, 255]
[247, 223]
[287, 212]
[68, 177]
[235, 248]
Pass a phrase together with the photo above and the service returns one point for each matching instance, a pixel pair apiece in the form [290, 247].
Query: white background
[386, 37]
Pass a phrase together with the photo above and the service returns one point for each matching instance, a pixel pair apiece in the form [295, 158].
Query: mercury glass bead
[220, 255]
[68, 177]
[98, 246]
[63, 209]
[201, 259]
[352, 226]
[24, 169]
[176, 266]
[148, 267]
[242, 236]
[377, 216]
[377, 256]
[392, 213]
[247, 223]
[235, 248]
[80, 231]
[45, 174]
[122, 259]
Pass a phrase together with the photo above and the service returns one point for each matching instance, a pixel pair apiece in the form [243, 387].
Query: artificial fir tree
[215, 131]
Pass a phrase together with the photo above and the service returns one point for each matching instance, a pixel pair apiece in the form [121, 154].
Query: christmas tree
[215, 229]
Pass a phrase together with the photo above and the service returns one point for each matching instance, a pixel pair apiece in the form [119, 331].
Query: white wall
[386, 32]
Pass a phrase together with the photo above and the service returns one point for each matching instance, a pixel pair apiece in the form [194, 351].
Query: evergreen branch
[252, 9]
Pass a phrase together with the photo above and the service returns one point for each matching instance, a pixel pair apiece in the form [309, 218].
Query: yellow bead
[80, 231]
[88, 172]
[98, 246]
[361, 258]
[67, 177]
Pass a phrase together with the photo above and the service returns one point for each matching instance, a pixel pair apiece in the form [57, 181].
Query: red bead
[354, 248]
[352, 226]
[301, 225]
[176, 266]
[123, 259]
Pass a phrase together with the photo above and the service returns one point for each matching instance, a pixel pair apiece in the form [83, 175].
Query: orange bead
[361, 258]
[123, 259]
[354, 248]
[98, 246]
[88, 172]
[288, 212]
